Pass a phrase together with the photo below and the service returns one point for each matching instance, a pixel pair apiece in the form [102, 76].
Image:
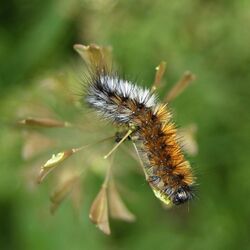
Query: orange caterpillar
[148, 123]
[169, 174]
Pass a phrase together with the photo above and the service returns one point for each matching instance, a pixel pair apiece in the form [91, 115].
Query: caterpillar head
[170, 195]
[181, 195]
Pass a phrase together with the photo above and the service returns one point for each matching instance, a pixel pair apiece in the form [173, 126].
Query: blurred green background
[210, 38]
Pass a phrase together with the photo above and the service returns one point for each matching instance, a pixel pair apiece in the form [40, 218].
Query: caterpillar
[148, 123]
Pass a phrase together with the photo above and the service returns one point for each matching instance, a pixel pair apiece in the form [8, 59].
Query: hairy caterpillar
[148, 123]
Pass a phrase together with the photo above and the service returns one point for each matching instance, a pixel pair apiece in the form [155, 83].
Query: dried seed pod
[99, 211]
[118, 209]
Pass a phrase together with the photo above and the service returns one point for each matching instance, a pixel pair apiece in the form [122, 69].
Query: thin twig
[160, 70]
[179, 87]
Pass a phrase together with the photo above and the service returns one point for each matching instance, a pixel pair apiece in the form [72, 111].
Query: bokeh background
[210, 38]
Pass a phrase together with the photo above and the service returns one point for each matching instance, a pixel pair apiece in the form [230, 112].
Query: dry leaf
[53, 162]
[44, 122]
[189, 143]
[179, 87]
[35, 143]
[160, 70]
[95, 55]
[29, 173]
[76, 197]
[62, 191]
[99, 211]
[34, 107]
[118, 210]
